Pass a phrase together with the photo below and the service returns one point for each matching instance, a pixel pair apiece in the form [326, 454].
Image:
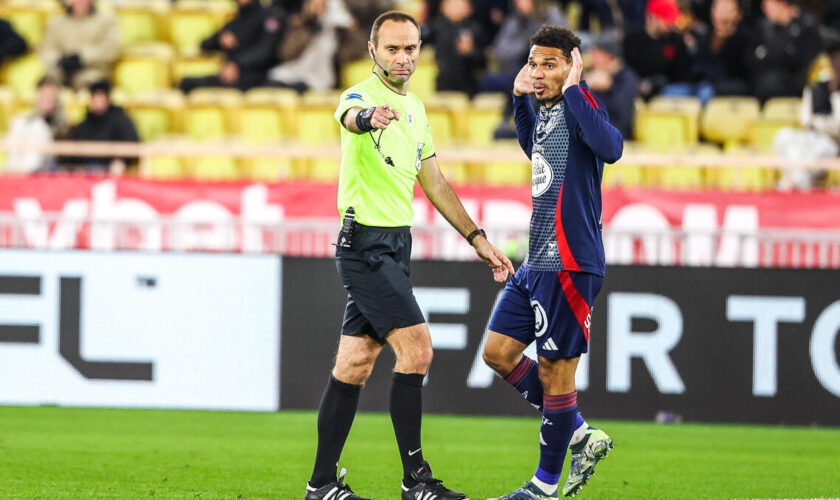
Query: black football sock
[406, 415]
[335, 417]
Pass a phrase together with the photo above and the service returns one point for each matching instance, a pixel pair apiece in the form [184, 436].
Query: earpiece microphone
[384, 71]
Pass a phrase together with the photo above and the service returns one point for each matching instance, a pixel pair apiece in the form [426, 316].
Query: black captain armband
[477, 232]
[363, 119]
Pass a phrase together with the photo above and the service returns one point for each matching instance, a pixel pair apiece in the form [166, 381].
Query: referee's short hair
[558, 37]
[391, 15]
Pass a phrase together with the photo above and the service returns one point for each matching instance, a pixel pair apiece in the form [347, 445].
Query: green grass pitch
[56, 453]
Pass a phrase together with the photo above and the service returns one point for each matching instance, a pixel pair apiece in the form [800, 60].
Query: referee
[386, 147]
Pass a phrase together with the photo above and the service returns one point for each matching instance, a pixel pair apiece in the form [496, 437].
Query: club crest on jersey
[542, 175]
[540, 318]
[549, 118]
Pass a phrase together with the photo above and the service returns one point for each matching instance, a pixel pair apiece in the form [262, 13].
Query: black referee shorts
[375, 271]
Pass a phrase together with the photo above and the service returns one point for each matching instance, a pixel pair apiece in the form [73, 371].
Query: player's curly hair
[555, 36]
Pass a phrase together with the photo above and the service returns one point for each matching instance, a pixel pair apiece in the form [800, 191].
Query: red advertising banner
[641, 225]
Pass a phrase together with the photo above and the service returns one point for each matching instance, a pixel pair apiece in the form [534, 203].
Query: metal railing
[315, 237]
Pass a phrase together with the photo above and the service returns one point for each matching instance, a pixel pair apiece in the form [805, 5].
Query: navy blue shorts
[376, 274]
[553, 308]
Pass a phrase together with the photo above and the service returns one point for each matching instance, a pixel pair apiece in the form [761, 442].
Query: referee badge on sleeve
[419, 162]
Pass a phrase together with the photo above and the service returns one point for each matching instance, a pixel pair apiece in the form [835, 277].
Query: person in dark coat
[248, 43]
[616, 85]
[458, 50]
[787, 42]
[658, 53]
[103, 122]
[11, 44]
[722, 51]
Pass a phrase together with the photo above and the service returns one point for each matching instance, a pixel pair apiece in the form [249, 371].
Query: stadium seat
[286, 101]
[484, 116]
[688, 107]
[423, 81]
[323, 170]
[195, 66]
[728, 119]
[214, 168]
[356, 71]
[75, 104]
[141, 21]
[786, 109]
[212, 113]
[625, 174]
[742, 178]
[316, 124]
[268, 169]
[29, 17]
[666, 130]
[820, 69]
[7, 108]
[22, 73]
[164, 167]
[498, 173]
[456, 172]
[155, 114]
[447, 112]
[144, 68]
[190, 22]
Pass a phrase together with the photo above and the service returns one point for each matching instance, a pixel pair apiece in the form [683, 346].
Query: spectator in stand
[458, 51]
[616, 85]
[722, 51]
[820, 136]
[787, 42]
[81, 46]
[510, 51]
[37, 127]
[247, 42]
[103, 122]
[11, 44]
[309, 46]
[658, 53]
[352, 41]
[600, 8]
[489, 14]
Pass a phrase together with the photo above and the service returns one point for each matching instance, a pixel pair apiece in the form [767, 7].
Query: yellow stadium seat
[189, 25]
[665, 130]
[7, 108]
[507, 173]
[212, 113]
[727, 119]
[261, 124]
[624, 174]
[29, 17]
[743, 178]
[268, 169]
[141, 21]
[762, 133]
[22, 73]
[447, 113]
[194, 66]
[785, 109]
[214, 168]
[144, 69]
[164, 168]
[820, 69]
[423, 81]
[323, 170]
[316, 124]
[75, 104]
[688, 106]
[484, 116]
[456, 172]
[286, 101]
[356, 71]
[155, 114]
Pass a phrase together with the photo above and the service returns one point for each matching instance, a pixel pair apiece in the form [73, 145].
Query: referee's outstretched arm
[443, 197]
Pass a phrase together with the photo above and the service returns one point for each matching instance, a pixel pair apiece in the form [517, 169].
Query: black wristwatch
[472, 235]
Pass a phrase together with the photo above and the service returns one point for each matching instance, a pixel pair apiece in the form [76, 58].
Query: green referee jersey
[381, 194]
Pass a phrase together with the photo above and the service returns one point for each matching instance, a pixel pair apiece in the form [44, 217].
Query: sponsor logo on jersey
[352, 96]
[540, 318]
[542, 175]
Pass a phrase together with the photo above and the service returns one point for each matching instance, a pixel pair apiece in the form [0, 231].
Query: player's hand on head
[522, 84]
[576, 70]
[383, 115]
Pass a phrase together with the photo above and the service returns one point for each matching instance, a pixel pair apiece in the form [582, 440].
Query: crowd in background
[633, 48]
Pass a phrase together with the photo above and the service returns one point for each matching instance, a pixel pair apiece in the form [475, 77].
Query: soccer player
[549, 300]
[386, 147]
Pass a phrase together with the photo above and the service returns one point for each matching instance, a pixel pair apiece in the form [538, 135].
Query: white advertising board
[140, 330]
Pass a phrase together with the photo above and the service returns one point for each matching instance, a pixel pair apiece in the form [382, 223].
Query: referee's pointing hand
[382, 116]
